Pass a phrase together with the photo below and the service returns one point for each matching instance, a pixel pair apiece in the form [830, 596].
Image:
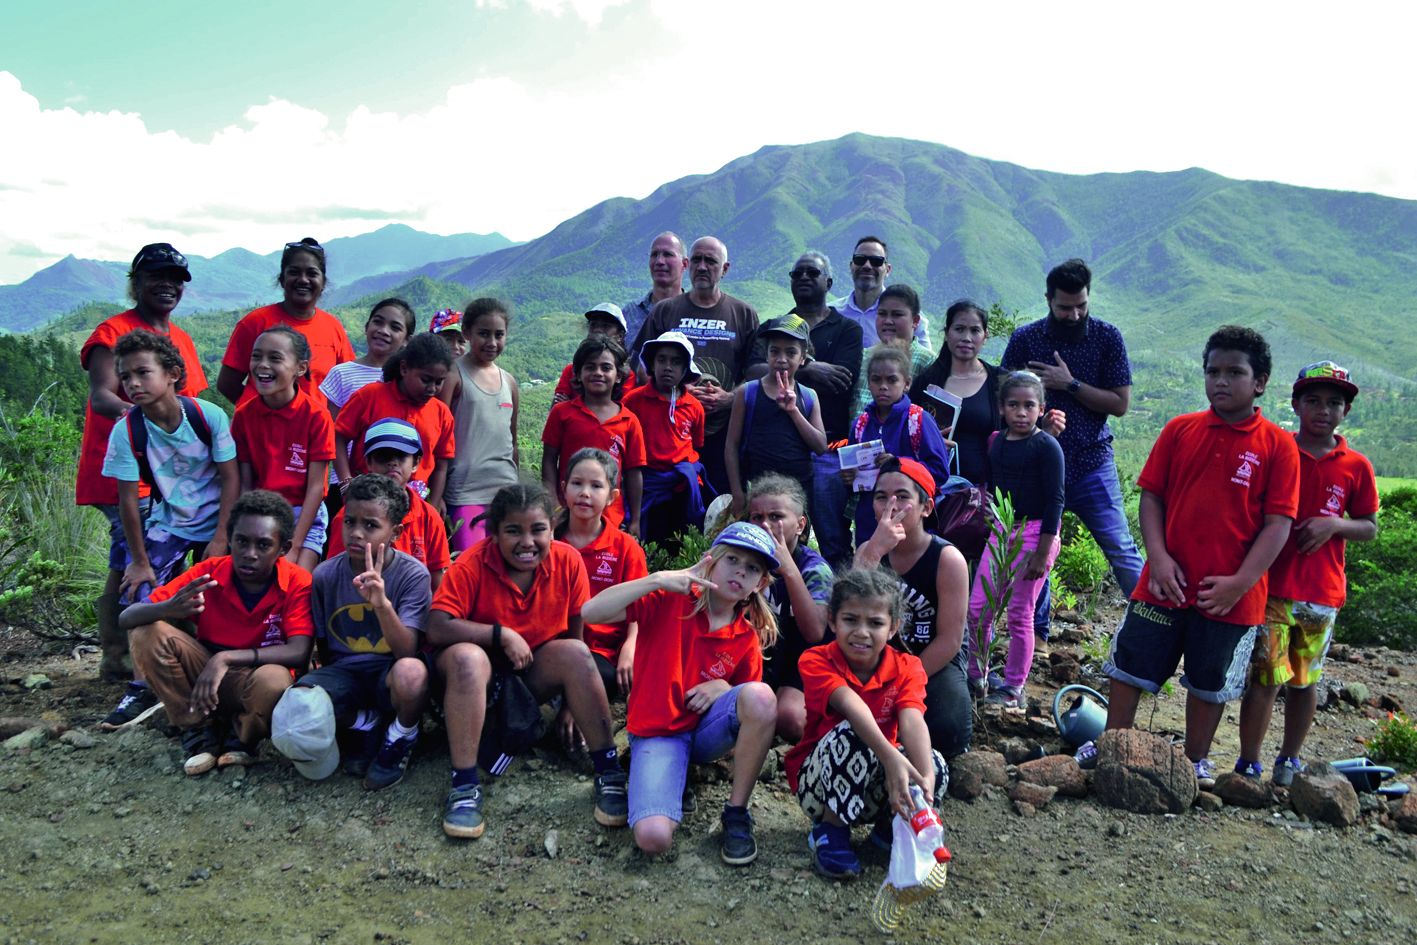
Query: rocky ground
[102, 839]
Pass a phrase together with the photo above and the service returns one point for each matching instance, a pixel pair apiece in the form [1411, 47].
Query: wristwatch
[1074, 386]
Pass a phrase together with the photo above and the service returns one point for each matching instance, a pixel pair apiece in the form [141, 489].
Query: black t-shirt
[979, 416]
[723, 338]
[836, 339]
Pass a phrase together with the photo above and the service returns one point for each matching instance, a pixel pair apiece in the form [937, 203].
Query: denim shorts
[659, 764]
[315, 537]
[1152, 640]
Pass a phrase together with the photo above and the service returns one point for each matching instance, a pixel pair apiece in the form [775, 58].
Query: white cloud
[1238, 91]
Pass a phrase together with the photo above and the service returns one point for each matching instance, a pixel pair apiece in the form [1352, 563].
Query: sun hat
[303, 729]
[446, 319]
[677, 338]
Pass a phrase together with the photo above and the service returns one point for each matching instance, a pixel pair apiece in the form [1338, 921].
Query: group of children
[448, 583]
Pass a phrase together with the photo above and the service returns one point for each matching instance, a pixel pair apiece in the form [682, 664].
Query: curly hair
[263, 503]
[1247, 341]
[868, 584]
[162, 348]
[897, 351]
[372, 487]
[518, 497]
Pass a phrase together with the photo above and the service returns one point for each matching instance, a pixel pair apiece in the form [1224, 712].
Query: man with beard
[722, 330]
[832, 374]
[667, 263]
[869, 268]
[1083, 364]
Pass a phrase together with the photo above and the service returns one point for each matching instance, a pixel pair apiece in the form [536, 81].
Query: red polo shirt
[668, 441]
[423, 536]
[283, 612]
[1218, 481]
[1341, 482]
[374, 402]
[92, 486]
[478, 588]
[898, 683]
[675, 651]
[572, 426]
[613, 558]
[281, 444]
[329, 344]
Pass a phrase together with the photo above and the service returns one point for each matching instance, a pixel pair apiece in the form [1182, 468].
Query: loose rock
[1322, 793]
[1017, 750]
[29, 738]
[1236, 789]
[1057, 771]
[1406, 814]
[1065, 667]
[1036, 796]
[37, 681]
[1144, 773]
[1209, 802]
[78, 739]
[1354, 693]
[552, 843]
[972, 771]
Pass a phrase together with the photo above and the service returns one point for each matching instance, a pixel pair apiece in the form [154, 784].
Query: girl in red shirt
[698, 692]
[285, 439]
[611, 557]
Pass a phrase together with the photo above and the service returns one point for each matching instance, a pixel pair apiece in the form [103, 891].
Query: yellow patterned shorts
[1293, 643]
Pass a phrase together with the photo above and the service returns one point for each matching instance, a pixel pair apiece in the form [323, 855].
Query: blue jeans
[659, 764]
[1096, 499]
[827, 508]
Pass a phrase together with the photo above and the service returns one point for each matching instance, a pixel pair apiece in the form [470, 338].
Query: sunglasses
[162, 259]
[303, 246]
[805, 273]
[860, 260]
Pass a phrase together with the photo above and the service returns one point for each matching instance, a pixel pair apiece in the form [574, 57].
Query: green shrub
[1396, 741]
[1081, 565]
[1382, 575]
[692, 545]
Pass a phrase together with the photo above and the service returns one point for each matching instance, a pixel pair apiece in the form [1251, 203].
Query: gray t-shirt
[346, 627]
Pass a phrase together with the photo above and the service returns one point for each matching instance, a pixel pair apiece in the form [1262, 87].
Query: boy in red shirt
[1338, 502]
[672, 420]
[605, 319]
[866, 741]
[1219, 494]
[252, 614]
[392, 448]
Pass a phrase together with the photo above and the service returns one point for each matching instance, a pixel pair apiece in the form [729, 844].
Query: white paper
[862, 458]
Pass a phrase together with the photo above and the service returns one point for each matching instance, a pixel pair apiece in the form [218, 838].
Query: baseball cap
[793, 326]
[156, 256]
[1326, 372]
[446, 319]
[670, 338]
[918, 474]
[303, 729]
[391, 433]
[611, 309]
[750, 536]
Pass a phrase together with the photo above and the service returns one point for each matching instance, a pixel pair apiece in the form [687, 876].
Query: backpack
[750, 399]
[912, 426]
[138, 438]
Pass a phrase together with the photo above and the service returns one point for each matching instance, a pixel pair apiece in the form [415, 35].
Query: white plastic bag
[919, 864]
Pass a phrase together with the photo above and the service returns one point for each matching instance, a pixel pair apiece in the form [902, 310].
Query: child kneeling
[698, 692]
[866, 739]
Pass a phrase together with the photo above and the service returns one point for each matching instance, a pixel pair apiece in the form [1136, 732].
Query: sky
[210, 126]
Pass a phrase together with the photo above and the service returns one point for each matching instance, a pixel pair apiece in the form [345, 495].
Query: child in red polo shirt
[509, 615]
[252, 614]
[866, 741]
[698, 692]
[285, 440]
[611, 557]
[1338, 503]
[672, 419]
[605, 319]
[595, 418]
[392, 448]
[409, 391]
[1219, 494]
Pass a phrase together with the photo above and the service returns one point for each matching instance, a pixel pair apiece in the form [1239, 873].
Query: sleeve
[1155, 472]
[852, 350]
[445, 445]
[634, 442]
[119, 462]
[296, 617]
[238, 348]
[934, 454]
[1015, 356]
[414, 595]
[170, 589]
[912, 684]
[819, 579]
[647, 609]
[553, 433]
[345, 348]
[102, 337]
[1050, 471]
[750, 667]
[635, 566]
[223, 446]
[458, 590]
[336, 535]
[1114, 368]
[578, 583]
[439, 557]
[322, 433]
[350, 423]
[563, 386]
[696, 426]
[333, 387]
[819, 680]
[319, 596]
[1364, 500]
[239, 423]
[1281, 495]
[748, 332]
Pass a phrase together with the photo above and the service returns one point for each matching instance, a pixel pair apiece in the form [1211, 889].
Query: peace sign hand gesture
[889, 530]
[682, 582]
[370, 583]
[786, 396]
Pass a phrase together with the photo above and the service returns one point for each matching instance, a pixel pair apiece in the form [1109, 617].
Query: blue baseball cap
[392, 433]
[750, 536]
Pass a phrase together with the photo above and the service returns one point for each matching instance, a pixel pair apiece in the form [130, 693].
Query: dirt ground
[111, 843]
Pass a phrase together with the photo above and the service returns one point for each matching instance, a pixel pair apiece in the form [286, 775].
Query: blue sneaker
[737, 847]
[390, 764]
[1205, 773]
[462, 813]
[1249, 769]
[883, 833]
[1086, 756]
[1285, 768]
[832, 855]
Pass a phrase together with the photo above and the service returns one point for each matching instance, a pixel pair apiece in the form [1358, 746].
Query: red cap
[919, 475]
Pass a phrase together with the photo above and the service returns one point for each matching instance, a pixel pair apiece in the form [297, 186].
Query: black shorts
[1152, 641]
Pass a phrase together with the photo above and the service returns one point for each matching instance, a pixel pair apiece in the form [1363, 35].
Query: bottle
[929, 831]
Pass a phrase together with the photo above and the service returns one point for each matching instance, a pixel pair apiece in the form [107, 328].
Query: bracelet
[497, 636]
[255, 657]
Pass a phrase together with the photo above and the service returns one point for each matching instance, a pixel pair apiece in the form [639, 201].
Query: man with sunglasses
[722, 330]
[832, 374]
[869, 268]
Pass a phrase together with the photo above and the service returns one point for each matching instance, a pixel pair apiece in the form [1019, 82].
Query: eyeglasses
[1324, 369]
[860, 260]
[805, 272]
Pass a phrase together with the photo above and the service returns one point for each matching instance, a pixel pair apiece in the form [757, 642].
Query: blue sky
[215, 125]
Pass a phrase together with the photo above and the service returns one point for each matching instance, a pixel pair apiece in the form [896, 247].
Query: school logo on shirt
[1334, 504]
[887, 710]
[617, 446]
[723, 663]
[1245, 471]
[605, 570]
[418, 548]
[273, 632]
[296, 462]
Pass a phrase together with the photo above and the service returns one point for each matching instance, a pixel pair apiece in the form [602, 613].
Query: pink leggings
[464, 537]
[1020, 614]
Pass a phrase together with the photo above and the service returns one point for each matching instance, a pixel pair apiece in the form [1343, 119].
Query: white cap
[611, 309]
[303, 729]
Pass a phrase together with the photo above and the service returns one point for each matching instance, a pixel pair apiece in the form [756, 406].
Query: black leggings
[949, 711]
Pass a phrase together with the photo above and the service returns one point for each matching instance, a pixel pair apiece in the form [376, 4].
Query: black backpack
[138, 438]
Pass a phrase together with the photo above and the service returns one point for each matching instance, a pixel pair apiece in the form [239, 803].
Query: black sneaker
[390, 764]
[612, 799]
[137, 704]
[362, 747]
[737, 847]
[882, 833]
[689, 801]
[199, 747]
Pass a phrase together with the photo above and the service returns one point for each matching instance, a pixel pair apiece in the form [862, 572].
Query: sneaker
[390, 763]
[1007, 696]
[1248, 769]
[462, 813]
[361, 749]
[996, 681]
[236, 752]
[689, 801]
[200, 746]
[832, 855]
[737, 846]
[1205, 773]
[882, 834]
[1285, 768]
[612, 800]
[138, 703]
[1086, 756]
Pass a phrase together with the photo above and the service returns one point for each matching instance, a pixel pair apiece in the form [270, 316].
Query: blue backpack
[138, 439]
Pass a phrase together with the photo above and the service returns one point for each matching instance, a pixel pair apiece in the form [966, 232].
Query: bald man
[667, 262]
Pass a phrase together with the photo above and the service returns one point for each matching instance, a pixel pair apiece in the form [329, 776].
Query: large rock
[1059, 771]
[1321, 793]
[1406, 814]
[1036, 796]
[973, 771]
[1144, 773]
[1234, 788]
